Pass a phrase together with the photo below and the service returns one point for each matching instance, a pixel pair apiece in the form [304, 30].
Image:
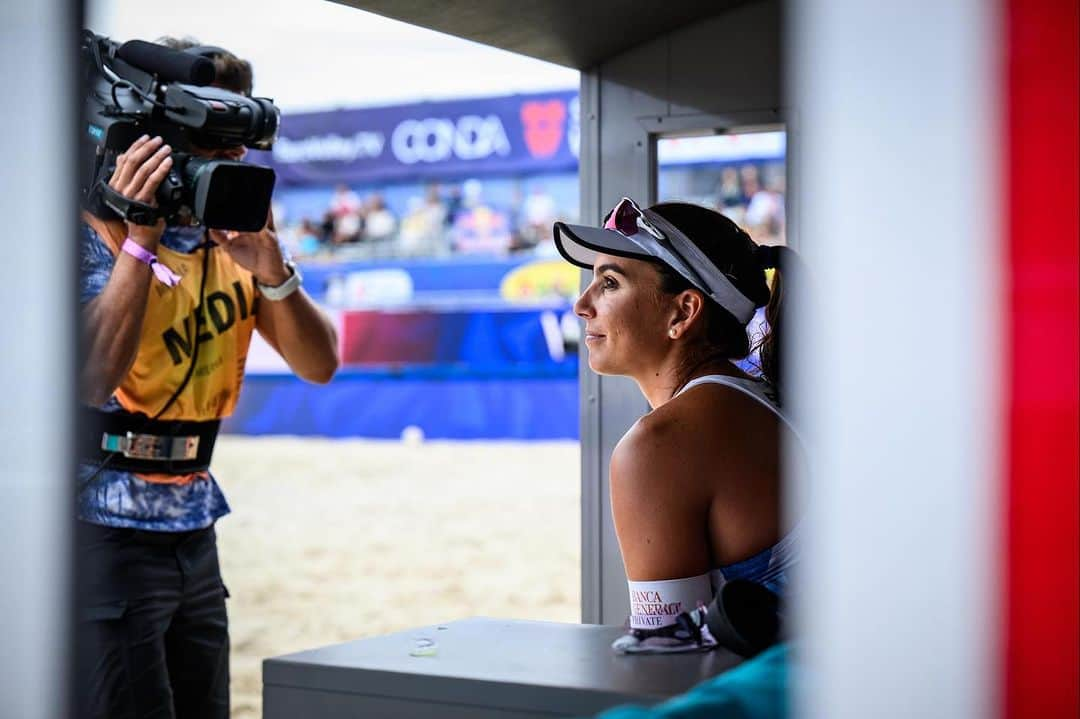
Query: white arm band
[656, 604]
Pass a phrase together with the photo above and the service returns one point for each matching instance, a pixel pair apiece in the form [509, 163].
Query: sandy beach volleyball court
[332, 540]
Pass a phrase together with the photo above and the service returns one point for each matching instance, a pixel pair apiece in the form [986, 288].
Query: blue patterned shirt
[121, 499]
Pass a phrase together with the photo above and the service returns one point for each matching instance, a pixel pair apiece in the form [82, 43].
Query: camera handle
[130, 210]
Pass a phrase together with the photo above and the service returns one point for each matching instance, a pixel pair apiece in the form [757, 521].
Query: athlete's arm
[661, 517]
[112, 321]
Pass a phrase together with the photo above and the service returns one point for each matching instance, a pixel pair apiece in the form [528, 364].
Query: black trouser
[153, 633]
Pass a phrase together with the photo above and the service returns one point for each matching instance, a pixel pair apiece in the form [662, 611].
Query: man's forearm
[112, 325]
[303, 334]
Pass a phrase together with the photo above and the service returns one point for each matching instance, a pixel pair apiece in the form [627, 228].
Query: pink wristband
[164, 275]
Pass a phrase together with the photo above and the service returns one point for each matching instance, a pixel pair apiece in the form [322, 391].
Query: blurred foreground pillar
[898, 363]
[938, 370]
[37, 204]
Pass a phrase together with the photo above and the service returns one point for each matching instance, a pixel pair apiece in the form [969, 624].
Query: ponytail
[770, 346]
[737, 256]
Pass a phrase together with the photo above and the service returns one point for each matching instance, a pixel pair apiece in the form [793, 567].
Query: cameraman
[167, 317]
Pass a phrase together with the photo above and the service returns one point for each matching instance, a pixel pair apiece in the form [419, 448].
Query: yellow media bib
[172, 327]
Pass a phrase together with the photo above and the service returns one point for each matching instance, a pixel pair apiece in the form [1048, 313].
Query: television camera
[144, 88]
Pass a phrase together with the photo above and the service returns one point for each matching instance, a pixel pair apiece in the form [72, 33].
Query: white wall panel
[897, 369]
[37, 294]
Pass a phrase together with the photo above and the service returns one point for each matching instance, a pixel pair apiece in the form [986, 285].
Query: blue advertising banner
[384, 405]
[462, 275]
[431, 140]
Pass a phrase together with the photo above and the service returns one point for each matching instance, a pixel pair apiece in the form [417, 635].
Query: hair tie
[767, 256]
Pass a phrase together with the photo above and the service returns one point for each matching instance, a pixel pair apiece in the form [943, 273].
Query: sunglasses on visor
[662, 240]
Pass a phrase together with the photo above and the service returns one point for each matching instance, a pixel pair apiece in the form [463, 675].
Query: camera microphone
[168, 64]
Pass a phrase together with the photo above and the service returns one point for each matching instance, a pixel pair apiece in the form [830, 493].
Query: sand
[333, 540]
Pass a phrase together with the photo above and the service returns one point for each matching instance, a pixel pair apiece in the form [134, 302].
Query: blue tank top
[770, 566]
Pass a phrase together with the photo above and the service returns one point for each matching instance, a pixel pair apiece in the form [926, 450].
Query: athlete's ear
[687, 313]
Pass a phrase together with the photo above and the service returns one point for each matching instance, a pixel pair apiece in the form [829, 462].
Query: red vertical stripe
[1042, 584]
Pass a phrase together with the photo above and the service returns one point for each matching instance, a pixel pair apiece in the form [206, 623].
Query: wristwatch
[286, 288]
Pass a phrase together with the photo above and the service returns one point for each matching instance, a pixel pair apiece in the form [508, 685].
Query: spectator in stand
[728, 192]
[344, 202]
[749, 184]
[765, 213]
[478, 227]
[750, 179]
[348, 227]
[422, 227]
[346, 213]
[413, 229]
[539, 212]
[434, 204]
[326, 228]
[453, 205]
[380, 223]
[308, 241]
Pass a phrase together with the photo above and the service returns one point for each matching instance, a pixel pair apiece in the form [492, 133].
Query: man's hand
[138, 173]
[112, 321]
[257, 252]
[295, 326]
